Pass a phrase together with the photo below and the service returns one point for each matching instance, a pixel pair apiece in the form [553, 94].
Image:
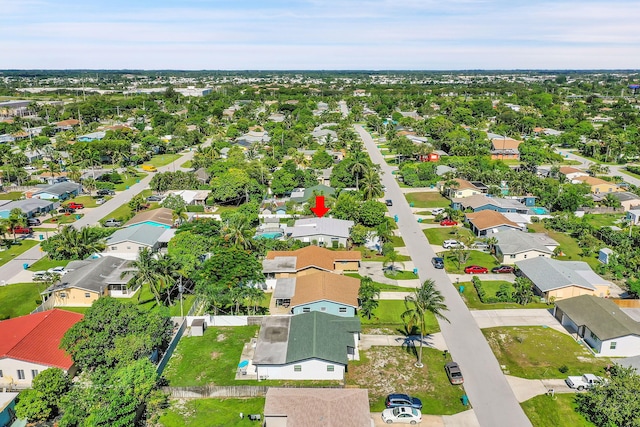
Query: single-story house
[598, 185]
[628, 200]
[127, 242]
[88, 280]
[608, 330]
[94, 136]
[303, 195]
[323, 231]
[318, 291]
[192, 197]
[462, 189]
[512, 246]
[553, 279]
[571, 173]
[30, 344]
[487, 222]
[317, 407]
[61, 191]
[633, 215]
[307, 260]
[67, 124]
[160, 217]
[30, 207]
[505, 148]
[309, 346]
[480, 202]
[53, 178]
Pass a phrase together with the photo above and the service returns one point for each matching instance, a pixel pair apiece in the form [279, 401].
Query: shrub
[195, 208]
[563, 369]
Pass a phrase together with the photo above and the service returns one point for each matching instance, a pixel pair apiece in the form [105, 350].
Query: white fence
[221, 320]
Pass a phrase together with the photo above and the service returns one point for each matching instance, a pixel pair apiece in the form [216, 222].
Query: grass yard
[475, 258]
[397, 242]
[539, 352]
[438, 235]
[202, 412]
[568, 245]
[557, 411]
[388, 316]
[470, 297]
[123, 212]
[385, 370]
[628, 172]
[604, 220]
[81, 310]
[147, 301]
[381, 286]
[63, 219]
[369, 255]
[47, 263]
[130, 181]
[162, 159]
[19, 299]
[16, 249]
[87, 201]
[400, 275]
[13, 195]
[428, 200]
[186, 164]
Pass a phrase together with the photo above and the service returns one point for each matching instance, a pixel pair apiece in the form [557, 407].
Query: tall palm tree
[391, 259]
[238, 231]
[371, 185]
[179, 215]
[145, 272]
[16, 218]
[90, 184]
[424, 300]
[358, 167]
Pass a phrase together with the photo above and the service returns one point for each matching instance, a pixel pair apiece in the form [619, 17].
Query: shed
[605, 255]
[198, 327]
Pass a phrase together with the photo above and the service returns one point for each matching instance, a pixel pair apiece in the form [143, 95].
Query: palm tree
[368, 296]
[74, 174]
[145, 272]
[16, 218]
[77, 244]
[371, 186]
[358, 167]
[391, 259]
[424, 300]
[90, 184]
[179, 215]
[237, 231]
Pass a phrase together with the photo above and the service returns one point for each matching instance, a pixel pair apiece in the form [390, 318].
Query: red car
[448, 222]
[475, 269]
[22, 230]
[502, 269]
[74, 205]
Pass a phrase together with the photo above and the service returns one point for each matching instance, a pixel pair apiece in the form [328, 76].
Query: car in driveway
[475, 269]
[437, 211]
[502, 269]
[74, 205]
[105, 192]
[450, 244]
[22, 230]
[448, 222]
[454, 373]
[100, 201]
[154, 198]
[33, 222]
[480, 246]
[395, 400]
[402, 415]
[112, 223]
[437, 262]
[57, 270]
[66, 210]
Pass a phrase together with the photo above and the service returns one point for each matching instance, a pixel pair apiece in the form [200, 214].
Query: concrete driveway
[461, 419]
[516, 317]
[432, 341]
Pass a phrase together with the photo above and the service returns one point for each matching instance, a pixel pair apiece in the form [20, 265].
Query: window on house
[63, 295]
[330, 368]
[512, 256]
[128, 247]
[593, 336]
[323, 308]
[297, 368]
[114, 248]
[306, 310]
[34, 373]
[87, 295]
[613, 345]
[342, 309]
[20, 374]
[1, 373]
[525, 256]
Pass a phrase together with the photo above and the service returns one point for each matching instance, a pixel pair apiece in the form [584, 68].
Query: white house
[309, 346]
[328, 232]
[127, 242]
[514, 245]
[608, 330]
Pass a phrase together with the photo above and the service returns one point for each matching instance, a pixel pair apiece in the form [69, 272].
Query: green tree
[368, 296]
[73, 244]
[371, 185]
[16, 218]
[523, 292]
[146, 271]
[423, 301]
[32, 406]
[137, 202]
[372, 213]
[173, 202]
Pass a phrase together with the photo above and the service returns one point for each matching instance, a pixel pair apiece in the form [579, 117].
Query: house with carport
[309, 346]
[487, 223]
[480, 202]
[600, 323]
[30, 207]
[60, 191]
[31, 344]
[512, 246]
[555, 280]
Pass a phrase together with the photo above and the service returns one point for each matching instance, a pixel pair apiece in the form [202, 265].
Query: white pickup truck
[583, 382]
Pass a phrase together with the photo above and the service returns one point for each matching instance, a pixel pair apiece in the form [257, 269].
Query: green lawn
[470, 297]
[19, 299]
[557, 411]
[162, 159]
[628, 172]
[14, 195]
[385, 370]
[186, 164]
[369, 255]
[211, 412]
[381, 286]
[603, 220]
[63, 219]
[438, 235]
[46, 263]
[480, 258]
[123, 212]
[427, 200]
[81, 310]
[16, 249]
[130, 181]
[397, 242]
[388, 316]
[539, 352]
[568, 245]
[87, 201]
[400, 275]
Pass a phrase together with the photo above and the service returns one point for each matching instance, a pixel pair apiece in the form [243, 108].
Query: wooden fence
[201, 392]
[627, 303]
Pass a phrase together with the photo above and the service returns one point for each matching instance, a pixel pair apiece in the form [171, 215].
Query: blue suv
[397, 399]
[437, 262]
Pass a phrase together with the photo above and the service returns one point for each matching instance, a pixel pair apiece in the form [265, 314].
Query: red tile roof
[36, 337]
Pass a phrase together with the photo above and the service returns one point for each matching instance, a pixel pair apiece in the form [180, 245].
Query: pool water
[271, 235]
[153, 223]
[539, 211]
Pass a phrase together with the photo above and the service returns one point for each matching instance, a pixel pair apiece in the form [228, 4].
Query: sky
[319, 34]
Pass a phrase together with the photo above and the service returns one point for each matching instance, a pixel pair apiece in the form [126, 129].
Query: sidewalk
[432, 340]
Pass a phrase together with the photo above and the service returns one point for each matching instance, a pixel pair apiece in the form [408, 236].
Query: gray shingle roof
[479, 200]
[143, 234]
[320, 226]
[60, 188]
[602, 316]
[515, 241]
[92, 275]
[548, 274]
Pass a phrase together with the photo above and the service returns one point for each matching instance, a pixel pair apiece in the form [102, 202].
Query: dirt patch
[215, 355]
[221, 337]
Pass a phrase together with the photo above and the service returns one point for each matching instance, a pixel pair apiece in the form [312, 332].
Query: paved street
[614, 170]
[494, 403]
[91, 217]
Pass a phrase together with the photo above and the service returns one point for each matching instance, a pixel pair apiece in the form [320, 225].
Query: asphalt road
[91, 217]
[614, 170]
[494, 402]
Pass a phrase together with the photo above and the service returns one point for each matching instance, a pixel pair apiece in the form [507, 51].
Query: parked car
[399, 399]
[476, 269]
[154, 198]
[402, 415]
[100, 201]
[74, 205]
[112, 223]
[448, 244]
[454, 373]
[149, 168]
[58, 270]
[32, 222]
[105, 192]
[448, 222]
[66, 210]
[389, 202]
[40, 275]
[502, 269]
[480, 246]
[583, 382]
[29, 168]
[22, 230]
[437, 211]
[437, 262]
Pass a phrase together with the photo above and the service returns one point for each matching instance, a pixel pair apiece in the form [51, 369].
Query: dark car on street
[105, 192]
[437, 262]
[389, 202]
[398, 399]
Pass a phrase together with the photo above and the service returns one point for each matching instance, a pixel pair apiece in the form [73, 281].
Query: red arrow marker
[320, 208]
